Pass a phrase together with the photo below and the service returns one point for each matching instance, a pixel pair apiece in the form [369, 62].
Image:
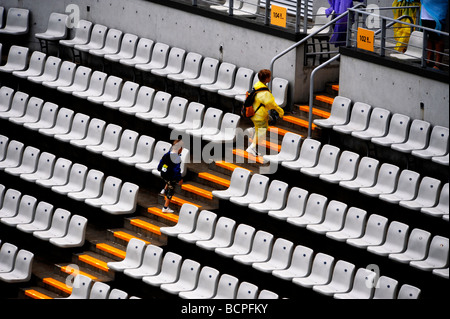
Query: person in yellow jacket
[261, 118]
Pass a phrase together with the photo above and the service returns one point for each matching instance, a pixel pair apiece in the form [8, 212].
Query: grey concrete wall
[397, 91]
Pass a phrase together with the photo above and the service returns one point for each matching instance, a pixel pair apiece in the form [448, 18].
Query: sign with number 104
[279, 16]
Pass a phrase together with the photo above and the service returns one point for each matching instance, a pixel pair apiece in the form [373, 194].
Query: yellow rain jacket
[261, 117]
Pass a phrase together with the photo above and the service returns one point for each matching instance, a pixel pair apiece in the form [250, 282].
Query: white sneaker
[167, 210]
[252, 151]
[163, 191]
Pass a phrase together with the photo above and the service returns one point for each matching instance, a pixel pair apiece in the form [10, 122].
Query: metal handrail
[279, 55]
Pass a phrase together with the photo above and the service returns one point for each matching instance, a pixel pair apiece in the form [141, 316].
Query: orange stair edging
[229, 166]
[57, 284]
[268, 144]
[326, 99]
[197, 190]
[179, 202]
[36, 294]
[321, 113]
[297, 121]
[214, 179]
[244, 154]
[111, 250]
[74, 272]
[145, 225]
[127, 237]
[158, 212]
[94, 262]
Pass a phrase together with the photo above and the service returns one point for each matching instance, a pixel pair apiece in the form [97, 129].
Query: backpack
[247, 110]
[166, 167]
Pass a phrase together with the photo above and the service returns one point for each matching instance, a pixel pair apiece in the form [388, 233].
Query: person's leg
[169, 193]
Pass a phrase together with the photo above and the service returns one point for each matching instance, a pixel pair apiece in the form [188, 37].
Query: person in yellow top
[261, 118]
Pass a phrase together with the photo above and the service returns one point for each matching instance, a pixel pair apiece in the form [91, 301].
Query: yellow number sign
[278, 16]
[365, 39]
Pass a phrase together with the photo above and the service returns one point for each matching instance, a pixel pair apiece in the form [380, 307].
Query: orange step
[214, 179]
[335, 87]
[94, 262]
[324, 98]
[36, 294]
[111, 250]
[127, 237]
[321, 113]
[242, 153]
[179, 202]
[229, 166]
[297, 121]
[74, 271]
[157, 211]
[58, 285]
[197, 190]
[280, 131]
[145, 225]
[270, 145]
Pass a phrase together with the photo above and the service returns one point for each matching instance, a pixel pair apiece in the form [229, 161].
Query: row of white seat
[397, 131]
[158, 58]
[128, 97]
[276, 256]
[17, 21]
[84, 287]
[354, 226]
[24, 212]
[15, 264]
[185, 278]
[70, 179]
[364, 174]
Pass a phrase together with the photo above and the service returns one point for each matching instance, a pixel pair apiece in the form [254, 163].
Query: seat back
[45, 165]
[387, 177]
[363, 284]
[375, 229]
[328, 157]
[225, 75]
[439, 139]
[6, 96]
[95, 132]
[128, 94]
[359, 116]
[342, 276]
[37, 63]
[408, 183]
[42, 218]
[212, 119]
[177, 109]
[239, 180]
[11, 202]
[396, 237]
[112, 41]
[262, 244]
[8, 254]
[367, 170]
[386, 288]
[309, 151]
[334, 215]
[99, 290]
[117, 294]
[160, 54]
[128, 196]
[113, 86]
[57, 24]
[355, 221]
[81, 287]
[347, 165]
[76, 230]
[418, 244]
[3, 147]
[79, 126]
[243, 238]
[408, 292]
[399, 127]
[161, 103]
[224, 231]
[209, 70]
[97, 84]
[243, 80]
[175, 59]
[419, 133]
[134, 252]
[66, 72]
[194, 115]
[438, 252]
[32, 112]
[206, 222]
[257, 188]
[280, 91]
[14, 153]
[315, 208]
[23, 265]
[28, 162]
[128, 142]
[340, 110]
[94, 183]
[428, 192]
[290, 146]
[18, 105]
[192, 64]
[18, 19]
[82, 77]
[378, 122]
[281, 253]
[82, 31]
[322, 267]
[112, 135]
[152, 259]
[171, 266]
[52, 69]
[60, 222]
[226, 287]
[247, 290]
[189, 273]
[111, 190]
[207, 281]
[415, 44]
[128, 45]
